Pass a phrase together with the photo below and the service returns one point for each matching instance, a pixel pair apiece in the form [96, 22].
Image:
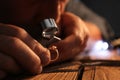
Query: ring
[54, 53]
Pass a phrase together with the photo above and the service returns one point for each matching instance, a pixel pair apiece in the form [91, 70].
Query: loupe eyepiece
[49, 28]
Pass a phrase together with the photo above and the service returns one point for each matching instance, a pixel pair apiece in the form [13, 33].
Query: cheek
[49, 10]
[22, 15]
[25, 12]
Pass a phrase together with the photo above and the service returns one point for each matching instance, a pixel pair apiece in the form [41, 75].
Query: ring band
[54, 53]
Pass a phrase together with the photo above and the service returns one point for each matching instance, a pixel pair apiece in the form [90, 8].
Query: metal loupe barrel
[49, 28]
[49, 32]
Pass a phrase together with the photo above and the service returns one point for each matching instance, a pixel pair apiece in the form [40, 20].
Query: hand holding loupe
[49, 32]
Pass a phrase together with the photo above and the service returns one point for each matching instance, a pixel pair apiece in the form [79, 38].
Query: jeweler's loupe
[49, 32]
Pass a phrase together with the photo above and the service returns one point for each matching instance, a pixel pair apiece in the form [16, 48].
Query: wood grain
[104, 70]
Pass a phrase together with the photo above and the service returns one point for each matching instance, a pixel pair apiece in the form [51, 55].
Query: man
[19, 30]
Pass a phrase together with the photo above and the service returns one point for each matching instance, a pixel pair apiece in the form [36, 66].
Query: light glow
[100, 45]
[100, 50]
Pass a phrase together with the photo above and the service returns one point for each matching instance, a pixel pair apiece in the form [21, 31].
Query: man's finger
[8, 64]
[15, 48]
[20, 33]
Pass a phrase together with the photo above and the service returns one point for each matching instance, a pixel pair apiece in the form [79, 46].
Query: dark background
[110, 9]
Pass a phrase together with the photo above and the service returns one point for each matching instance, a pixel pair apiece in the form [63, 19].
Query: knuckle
[46, 57]
[19, 32]
[35, 69]
[12, 30]
[78, 39]
[43, 53]
[13, 41]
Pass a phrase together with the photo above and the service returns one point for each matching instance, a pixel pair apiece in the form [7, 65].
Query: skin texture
[19, 30]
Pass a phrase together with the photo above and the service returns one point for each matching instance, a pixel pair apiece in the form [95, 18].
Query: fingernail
[40, 70]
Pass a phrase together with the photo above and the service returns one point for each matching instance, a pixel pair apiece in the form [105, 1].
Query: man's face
[30, 11]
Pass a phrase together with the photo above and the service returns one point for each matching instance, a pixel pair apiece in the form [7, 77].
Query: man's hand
[74, 34]
[19, 51]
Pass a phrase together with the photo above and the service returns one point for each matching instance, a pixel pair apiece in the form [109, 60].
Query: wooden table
[101, 70]
[62, 71]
